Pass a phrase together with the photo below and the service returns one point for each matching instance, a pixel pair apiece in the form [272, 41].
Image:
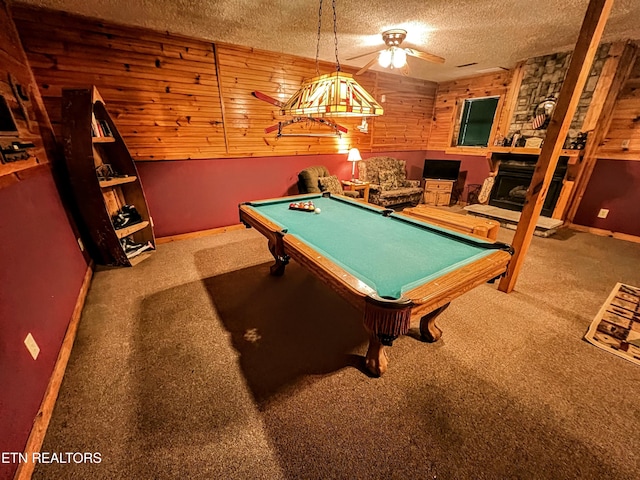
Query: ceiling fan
[394, 56]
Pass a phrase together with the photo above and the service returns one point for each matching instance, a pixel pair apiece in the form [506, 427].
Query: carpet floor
[197, 364]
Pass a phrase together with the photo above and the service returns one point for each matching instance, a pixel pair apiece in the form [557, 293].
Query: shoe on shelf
[127, 216]
[105, 172]
[132, 212]
[131, 248]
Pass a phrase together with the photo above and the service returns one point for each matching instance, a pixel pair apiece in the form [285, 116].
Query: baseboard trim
[604, 233]
[201, 233]
[41, 421]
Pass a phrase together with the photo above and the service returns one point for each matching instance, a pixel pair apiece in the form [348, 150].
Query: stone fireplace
[543, 77]
[513, 180]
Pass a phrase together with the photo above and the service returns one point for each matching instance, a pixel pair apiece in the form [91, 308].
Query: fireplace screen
[513, 180]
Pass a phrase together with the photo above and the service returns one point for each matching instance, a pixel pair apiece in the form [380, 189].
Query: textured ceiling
[491, 33]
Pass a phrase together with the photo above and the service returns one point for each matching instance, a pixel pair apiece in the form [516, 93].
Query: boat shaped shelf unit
[93, 146]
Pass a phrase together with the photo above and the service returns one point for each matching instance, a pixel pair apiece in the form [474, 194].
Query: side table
[357, 186]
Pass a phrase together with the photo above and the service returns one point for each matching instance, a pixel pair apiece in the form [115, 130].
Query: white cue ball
[317, 210]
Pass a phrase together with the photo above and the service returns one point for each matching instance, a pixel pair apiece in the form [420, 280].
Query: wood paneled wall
[244, 70]
[28, 112]
[625, 121]
[180, 98]
[450, 94]
[407, 121]
[162, 90]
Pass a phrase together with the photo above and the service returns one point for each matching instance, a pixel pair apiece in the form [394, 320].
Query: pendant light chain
[335, 34]
[318, 44]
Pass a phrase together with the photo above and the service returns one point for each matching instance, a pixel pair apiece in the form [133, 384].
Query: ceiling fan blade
[364, 55]
[367, 66]
[424, 55]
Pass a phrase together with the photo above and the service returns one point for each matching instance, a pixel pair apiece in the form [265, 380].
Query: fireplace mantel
[495, 154]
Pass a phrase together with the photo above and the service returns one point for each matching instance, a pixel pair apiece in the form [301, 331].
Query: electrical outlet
[81, 245]
[383, 98]
[32, 346]
[603, 213]
[625, 144]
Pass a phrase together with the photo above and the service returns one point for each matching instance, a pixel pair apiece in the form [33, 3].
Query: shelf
[117, 181]
[124, 232]
[100, 198]
[12, 167]
[472, 151]
[140, 257]
[103, 139]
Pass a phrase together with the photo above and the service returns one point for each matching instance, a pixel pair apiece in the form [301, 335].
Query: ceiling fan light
[384, 59]
[399, 58]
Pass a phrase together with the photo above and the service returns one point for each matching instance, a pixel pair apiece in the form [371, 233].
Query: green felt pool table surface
[391, 254]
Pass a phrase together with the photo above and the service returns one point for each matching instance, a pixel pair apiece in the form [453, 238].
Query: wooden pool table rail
[468, 224]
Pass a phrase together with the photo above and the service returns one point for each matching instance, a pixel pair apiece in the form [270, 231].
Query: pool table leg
[282, 259]
[428, 328]
[376, 360]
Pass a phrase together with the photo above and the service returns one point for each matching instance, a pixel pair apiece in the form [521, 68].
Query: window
[476, 121]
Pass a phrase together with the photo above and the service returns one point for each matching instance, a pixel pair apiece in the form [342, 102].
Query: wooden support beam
[615, 73]
[588, 40]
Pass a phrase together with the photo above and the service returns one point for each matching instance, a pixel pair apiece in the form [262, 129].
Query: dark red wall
[192, 195]
[41, 273]
[614, 185]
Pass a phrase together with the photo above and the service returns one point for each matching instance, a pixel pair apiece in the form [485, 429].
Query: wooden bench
[481, 227]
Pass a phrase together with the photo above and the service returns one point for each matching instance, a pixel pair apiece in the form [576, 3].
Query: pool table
[393, 267]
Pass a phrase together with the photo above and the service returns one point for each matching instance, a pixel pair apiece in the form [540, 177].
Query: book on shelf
[95, 131]
[106, 131]
[100, 128]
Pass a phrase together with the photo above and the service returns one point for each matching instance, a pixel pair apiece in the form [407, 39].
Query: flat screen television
[441, 169]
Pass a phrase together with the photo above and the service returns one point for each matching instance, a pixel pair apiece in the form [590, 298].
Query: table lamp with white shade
[354, 156]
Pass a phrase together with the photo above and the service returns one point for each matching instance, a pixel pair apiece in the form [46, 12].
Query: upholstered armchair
[317, 179]
[389, 186]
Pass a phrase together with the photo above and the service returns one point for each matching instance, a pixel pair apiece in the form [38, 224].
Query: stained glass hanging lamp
[334, 94]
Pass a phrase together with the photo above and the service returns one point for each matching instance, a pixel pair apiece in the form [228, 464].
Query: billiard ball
[317, 210]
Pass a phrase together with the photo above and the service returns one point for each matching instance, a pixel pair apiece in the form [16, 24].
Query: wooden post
[590, 34]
